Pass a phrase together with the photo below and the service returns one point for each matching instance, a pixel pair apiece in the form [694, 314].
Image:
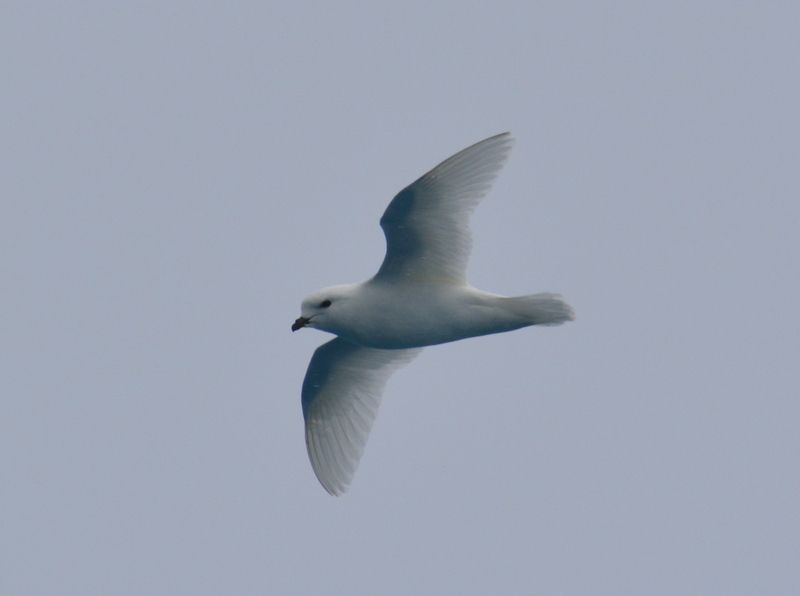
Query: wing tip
[503, 138]
[334, 481]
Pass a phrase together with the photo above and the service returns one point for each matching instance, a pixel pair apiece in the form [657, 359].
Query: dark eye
[325, 304]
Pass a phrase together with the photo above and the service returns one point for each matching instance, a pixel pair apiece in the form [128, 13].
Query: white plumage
[419, 297]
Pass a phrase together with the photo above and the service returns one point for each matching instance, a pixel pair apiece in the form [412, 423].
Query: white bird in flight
[419, 297]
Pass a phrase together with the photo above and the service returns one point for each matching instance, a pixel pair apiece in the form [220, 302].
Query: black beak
[300, 323]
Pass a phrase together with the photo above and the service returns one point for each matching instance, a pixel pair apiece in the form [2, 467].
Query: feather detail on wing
[341, 395]
[427, 223]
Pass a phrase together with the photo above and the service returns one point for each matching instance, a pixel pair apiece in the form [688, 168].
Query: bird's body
[387, 316]
[419, 297]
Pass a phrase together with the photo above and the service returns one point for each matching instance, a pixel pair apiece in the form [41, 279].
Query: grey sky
[177, 177]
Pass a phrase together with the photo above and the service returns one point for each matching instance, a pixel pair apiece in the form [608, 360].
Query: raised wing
[341, 394]
[427, 223]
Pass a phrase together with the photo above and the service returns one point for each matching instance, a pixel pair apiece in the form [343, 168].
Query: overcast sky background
[177, 176]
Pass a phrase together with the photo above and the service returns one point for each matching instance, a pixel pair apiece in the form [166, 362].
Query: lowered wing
[341, 394]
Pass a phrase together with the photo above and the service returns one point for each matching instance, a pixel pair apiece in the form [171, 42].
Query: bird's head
[322, 309]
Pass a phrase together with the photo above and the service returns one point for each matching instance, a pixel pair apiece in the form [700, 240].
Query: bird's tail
[541, 309]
